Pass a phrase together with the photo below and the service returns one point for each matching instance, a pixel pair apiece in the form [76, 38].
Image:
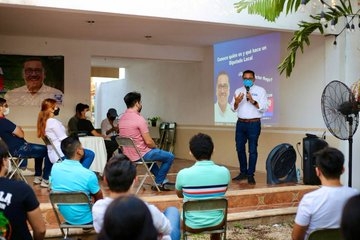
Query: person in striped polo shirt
[203, 180]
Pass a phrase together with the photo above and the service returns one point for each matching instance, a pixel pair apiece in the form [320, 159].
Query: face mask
[56, 112]
[88, 115]
[248, 82]
[7, 111]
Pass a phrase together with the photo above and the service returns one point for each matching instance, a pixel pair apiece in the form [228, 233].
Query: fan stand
[350, 120]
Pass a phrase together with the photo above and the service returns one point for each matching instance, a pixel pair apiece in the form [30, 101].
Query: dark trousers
[247, 132]
[39, 153]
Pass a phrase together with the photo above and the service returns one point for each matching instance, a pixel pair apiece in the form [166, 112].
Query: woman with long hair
[55, 131]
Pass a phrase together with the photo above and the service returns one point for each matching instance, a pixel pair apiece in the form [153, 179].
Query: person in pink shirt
[133, 125]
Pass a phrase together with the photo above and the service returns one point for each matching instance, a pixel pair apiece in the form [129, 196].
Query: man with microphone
[250, 103]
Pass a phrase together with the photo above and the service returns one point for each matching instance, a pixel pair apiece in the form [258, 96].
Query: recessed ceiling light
[90, 21]
[148, 36]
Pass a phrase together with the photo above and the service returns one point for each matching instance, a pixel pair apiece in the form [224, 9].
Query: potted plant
[153, 120]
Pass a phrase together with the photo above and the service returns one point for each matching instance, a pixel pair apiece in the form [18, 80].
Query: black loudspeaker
[311, 144]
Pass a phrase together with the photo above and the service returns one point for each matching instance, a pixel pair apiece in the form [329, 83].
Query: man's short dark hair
[81, 107]
[69, 146]
[131, 99]
[201, 146]
[120, 173]
[249, 71]
[330, 161]
[2, 101]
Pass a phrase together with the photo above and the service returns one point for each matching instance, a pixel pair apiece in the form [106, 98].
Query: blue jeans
[39, 153]
[88, 158]
[166, 159]
[247, 132]
[172, 213]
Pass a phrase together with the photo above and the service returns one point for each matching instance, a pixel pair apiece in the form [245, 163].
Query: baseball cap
[112, 112]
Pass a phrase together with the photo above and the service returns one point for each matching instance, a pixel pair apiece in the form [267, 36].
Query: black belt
[249, 120]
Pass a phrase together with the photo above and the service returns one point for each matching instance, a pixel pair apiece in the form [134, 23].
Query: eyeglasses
[29, 71]
[223, 86]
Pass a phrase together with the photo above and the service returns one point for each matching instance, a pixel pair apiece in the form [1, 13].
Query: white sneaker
[27, 172]
[37, 180]
[44, 183]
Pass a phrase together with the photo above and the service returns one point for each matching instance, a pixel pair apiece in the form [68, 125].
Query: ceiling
[59, 23]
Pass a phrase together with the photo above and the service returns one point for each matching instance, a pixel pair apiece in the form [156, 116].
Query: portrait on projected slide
[222, 108]
[28, 80]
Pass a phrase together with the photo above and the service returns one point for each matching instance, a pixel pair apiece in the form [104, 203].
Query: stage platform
[246, 202]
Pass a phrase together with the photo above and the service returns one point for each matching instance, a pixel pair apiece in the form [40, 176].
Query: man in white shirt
[109, 126]
[119, 175]
[34, 91]
[322, 208]
[222, 108]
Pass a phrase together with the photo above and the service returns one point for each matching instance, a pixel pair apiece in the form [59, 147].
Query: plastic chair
[125, 142]
[68, 198]
[325, 234]
[48, 142]
[204, 205]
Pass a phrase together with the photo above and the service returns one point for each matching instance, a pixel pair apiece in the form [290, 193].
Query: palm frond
[261, 7]
[271, 9]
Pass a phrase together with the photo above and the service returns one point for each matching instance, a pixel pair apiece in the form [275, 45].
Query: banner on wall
[28, 80]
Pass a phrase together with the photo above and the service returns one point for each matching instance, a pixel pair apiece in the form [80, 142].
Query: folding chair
[201, 205]
[68, 198]
[48, 142]
[16, 162]
[125, 142]
[325, 234]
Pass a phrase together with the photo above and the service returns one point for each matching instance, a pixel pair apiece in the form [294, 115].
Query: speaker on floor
[311, 144]
[280, 164]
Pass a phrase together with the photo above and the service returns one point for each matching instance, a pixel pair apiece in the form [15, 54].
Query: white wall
[179, 85]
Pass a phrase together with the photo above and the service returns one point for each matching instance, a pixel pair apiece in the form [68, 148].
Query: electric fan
[341, 114]
[280, 164]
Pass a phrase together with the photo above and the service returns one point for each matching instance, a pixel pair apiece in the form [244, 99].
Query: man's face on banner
[222, 89]
[34, 75]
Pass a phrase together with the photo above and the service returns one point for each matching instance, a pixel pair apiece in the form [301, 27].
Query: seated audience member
[350, 219]
[85, 125]
[204, 179]
[18, 205]
[322, 208]
[55, 131]
[133, 125]
[73, 121]
[69, 176]
[13, 136]
[119, 175]
[109, 126]
[128, 217]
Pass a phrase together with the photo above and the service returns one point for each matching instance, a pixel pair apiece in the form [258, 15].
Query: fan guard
[339, 110]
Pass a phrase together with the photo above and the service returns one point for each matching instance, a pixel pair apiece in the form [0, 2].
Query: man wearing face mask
[250, 103]
[86, 126]
[133, 125]
[109, 126]
[18, 205]
[14, 137]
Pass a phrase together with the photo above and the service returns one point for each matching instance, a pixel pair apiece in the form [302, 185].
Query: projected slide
[260, 54]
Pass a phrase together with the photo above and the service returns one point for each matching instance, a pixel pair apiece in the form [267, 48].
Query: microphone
[247, 90]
